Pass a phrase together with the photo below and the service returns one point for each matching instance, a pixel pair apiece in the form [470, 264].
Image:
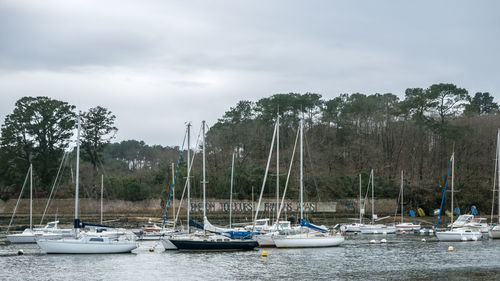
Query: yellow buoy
[264, 253]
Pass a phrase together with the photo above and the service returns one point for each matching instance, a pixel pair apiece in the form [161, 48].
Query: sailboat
[29, 235]
[405, 226]
[494, 231]
[455, 234]
[373, 228]
[319, 238]
[87, 242]
[207, 241]
[356, 226]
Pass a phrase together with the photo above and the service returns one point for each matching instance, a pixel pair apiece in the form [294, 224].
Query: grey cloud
[160, 63]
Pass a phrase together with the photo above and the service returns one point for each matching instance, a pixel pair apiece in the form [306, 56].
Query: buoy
[384, 233]
[20, 252]
[403, 232]
[422, 231]
[450, 249]
[373, 241]
[264, 253]
[152, 249]
[383, 241]
[423, 240]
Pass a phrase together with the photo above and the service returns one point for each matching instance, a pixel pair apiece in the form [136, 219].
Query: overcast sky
[157, 64]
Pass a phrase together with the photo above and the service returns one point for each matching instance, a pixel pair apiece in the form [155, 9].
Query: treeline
[344, 136]
[354, 133]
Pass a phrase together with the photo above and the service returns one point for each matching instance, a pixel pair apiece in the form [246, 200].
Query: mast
[452, 176]
[277, 165]
[188, 207]
[264, 181]
[102, 191]
[498, 169]
[204, 185]
[31, 196]
[253, 204]
[173, 192]
[301, 170]
[373, 203]
[360, 206]
[402, 196]
[77, 177]
[231, 194]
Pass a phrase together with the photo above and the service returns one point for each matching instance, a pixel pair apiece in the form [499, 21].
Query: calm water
[404, 257]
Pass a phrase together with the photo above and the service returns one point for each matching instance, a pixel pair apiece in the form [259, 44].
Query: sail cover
[303, 222]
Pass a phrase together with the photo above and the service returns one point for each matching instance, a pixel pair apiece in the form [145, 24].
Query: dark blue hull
[194, 245]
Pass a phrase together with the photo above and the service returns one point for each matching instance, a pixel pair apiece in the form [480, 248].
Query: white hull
[307, 241]
[21, 238]
[355, 227]
[84, 246]
[495, 232]
[266, 240]
[407, 227]
[26, 238]
[458, 235]
[377, 229]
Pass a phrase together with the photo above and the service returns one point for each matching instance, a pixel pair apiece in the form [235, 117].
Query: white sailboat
[308, 239]
[86, 242]
[356, 227]
[375, 228]
[405, 226]
[267, 232]
[461, 233]
[29, 235]
[494, 231]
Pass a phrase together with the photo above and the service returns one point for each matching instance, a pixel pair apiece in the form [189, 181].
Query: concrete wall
[151, 207]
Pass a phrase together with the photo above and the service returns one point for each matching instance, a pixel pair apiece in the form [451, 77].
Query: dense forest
[344, 137]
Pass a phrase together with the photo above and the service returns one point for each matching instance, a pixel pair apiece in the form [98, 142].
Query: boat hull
[200, 245]
[378, 230]
[30, 238]
[265, 240]
[494, 233]
[308, 242]
[355, 227]
[458, 236]
[407, 227]
[76, 246]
